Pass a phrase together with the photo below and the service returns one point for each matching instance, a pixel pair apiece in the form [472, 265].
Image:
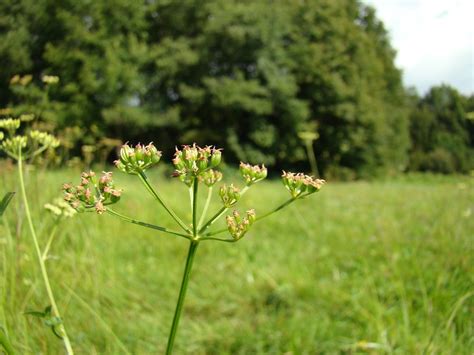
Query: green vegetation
[174, 71]
[442, 135]
[385, 264]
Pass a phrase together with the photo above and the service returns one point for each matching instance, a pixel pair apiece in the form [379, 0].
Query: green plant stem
[150, 189]
[44, 272]
[50, 241]
[195, 198]
[311, 157]
[182, 294]
[283, 205]
[220, 239]
[144, 224]
[206, 207]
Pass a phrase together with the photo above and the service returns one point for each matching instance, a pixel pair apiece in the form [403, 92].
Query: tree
[246, 75]
[442, 136]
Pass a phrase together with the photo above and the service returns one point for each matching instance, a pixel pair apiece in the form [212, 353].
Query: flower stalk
[41, 260]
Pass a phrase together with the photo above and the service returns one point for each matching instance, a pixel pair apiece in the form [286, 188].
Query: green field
[386, 265]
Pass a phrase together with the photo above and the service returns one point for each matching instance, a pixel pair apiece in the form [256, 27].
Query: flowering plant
[194, 165]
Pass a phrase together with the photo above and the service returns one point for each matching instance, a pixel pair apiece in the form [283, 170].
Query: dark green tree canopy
[245, 75]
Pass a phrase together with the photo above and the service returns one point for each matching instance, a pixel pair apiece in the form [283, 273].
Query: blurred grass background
[383, 265]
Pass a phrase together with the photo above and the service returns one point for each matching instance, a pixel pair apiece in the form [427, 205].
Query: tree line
[248, 76]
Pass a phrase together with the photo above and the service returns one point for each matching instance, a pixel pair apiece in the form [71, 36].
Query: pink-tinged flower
[299, 184]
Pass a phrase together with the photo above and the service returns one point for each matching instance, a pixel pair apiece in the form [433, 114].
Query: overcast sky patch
[434, 41]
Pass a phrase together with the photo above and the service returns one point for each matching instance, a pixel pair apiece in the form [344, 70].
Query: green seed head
[299, 184]
[92, 193]
[210, 177]
[193, 162]
[229, 195]
[134, 160]
[237, 225]
[252, 173]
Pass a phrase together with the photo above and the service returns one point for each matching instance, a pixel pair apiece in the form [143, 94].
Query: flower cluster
[21, 80]
[92, 193]
[44, 139]
[252, 173]
[35, 141]
[10, 125]
[50, 79]
[210, 177]
[135, 160]
[60, 208]
[238, 225]
[13, 145]
[229, 195]
[299, 183]
[192, 161]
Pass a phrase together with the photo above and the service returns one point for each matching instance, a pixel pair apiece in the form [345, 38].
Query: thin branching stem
[219, 231]
[220, 213]
[206, 207]
[147, 225]
[50, 240]
[152, 191]
[195, 198]
[220, 239]
[44, 272]
[283, 205]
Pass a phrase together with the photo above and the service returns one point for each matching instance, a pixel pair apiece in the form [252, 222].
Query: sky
[434, 41]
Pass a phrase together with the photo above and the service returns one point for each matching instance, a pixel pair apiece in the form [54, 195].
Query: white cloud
[434, 40]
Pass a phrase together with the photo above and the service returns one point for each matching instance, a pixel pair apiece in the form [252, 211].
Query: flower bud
[252, 173]
[229, 195]
[216, 157]
[138, 159]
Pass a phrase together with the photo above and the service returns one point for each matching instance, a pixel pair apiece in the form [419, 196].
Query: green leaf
[6, 200]
[5, 343]
[48, 320]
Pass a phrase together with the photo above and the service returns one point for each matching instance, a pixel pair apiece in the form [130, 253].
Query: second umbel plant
[196, 167]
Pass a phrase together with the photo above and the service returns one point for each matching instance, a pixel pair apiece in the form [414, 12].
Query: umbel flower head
[192, 161]
[252, 173]
[299, 184]
[10, 125]
[229, 195]
[210, 177]
[237, 225]
[135, 160]
[60, 208]
[30, 144]
[92, 193]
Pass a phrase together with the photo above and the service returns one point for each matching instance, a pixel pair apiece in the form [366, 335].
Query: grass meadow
[382, 267]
